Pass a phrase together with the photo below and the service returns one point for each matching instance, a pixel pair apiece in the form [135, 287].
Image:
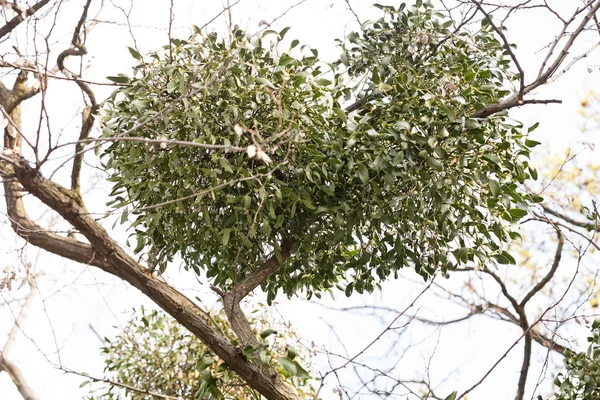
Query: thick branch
[526, 363]
[103, 252]
[20, 92]
[20, 17]
[258, 276]
[113, 259]
[524, 324]
[232, 299]
[8, 366]
[18, 379]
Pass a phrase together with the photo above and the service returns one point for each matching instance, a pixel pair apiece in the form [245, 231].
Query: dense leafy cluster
[581, 380]
[155, 354]
[405, 176]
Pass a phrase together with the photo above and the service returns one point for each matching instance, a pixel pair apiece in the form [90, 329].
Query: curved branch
[232, 299]
[258, 276]
[77, 48]
[550, 274]
[572, 221]
[18, 379]
[515, 99]
[8, 366]
[506, 46]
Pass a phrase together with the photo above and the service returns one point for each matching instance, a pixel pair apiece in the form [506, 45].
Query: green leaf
[301, 372]
[285, 60]
[204, 363]
[291, 352]
[140, 245]
[510, 258]
[265, 82]
[375, 76]
[124, 215]
[494, 187]
[452, 396]
[435, 164]
[267, 332]
[341, 114]
[517, 212]
[363, 173]
[502, 259]
[118, 79]
[491, 158]
[134, 53]
[206, 376]
[349, 289]
[533, 173]
[284, 31]
[263, 355]
[533, 127]
[288, 366]
[248, 351]
[225, 238]
[531, 143]
[472, 124]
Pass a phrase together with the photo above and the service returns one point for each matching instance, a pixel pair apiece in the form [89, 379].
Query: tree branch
[572, 221]
[20, 17]
[232, 299]
[103, 252]
[77, 48]
[258, 276]
[109, 256]
[540, 285]
[514, 100]
[8, 366]
[18, 379]
[506, 46]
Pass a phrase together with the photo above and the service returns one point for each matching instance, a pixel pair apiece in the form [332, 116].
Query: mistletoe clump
[233, 152]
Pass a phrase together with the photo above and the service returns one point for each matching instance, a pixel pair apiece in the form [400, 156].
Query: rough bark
[103, 252]
[18, 379]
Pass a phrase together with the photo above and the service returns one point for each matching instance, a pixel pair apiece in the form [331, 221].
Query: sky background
[74, 299]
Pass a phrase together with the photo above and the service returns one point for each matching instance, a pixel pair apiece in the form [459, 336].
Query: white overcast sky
[73, 296]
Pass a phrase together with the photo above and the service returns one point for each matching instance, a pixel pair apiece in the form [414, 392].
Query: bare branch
[514, 100]
[17, 377]
[118, 384]
[572, 221]
[20, 17]
[542, 283]
[507, 47]
[8, 366]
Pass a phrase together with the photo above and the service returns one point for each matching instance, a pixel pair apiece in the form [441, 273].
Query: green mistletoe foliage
[225, 151]
[155, 354]
[581, 380]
